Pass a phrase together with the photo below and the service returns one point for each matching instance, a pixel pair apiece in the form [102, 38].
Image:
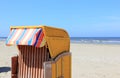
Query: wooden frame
[48, 66]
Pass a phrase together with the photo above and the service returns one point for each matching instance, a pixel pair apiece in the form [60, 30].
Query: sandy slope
[88, 60]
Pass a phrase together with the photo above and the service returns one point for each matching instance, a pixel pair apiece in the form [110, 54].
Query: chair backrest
[30, 61]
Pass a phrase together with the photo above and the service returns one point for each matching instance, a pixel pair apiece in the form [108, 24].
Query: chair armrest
[14, 65]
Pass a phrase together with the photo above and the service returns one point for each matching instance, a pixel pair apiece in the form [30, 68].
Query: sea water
[89, 40]
[96, 40]
[3, 38]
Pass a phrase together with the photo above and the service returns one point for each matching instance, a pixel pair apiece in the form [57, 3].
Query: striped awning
[24, 36]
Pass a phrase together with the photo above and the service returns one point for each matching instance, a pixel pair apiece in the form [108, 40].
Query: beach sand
[95, 61]
[88, 60]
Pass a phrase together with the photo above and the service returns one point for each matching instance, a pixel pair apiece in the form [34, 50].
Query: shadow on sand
[4, 69]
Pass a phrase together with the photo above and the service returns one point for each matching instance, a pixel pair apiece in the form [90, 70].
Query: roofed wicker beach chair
[43, 52]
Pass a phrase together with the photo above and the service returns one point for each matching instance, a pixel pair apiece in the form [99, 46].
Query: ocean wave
[3, 39]
[97, 41]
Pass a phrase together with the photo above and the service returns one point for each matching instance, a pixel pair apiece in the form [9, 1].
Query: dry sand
[88, 60]
[5, 59]
[95, 61]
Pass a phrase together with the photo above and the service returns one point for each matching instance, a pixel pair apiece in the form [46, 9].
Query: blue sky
[81, 18]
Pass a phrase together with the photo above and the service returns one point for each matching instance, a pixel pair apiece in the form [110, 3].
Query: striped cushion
[33, 37]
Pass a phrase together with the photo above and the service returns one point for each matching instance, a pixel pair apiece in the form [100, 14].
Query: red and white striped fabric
[33, 37]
